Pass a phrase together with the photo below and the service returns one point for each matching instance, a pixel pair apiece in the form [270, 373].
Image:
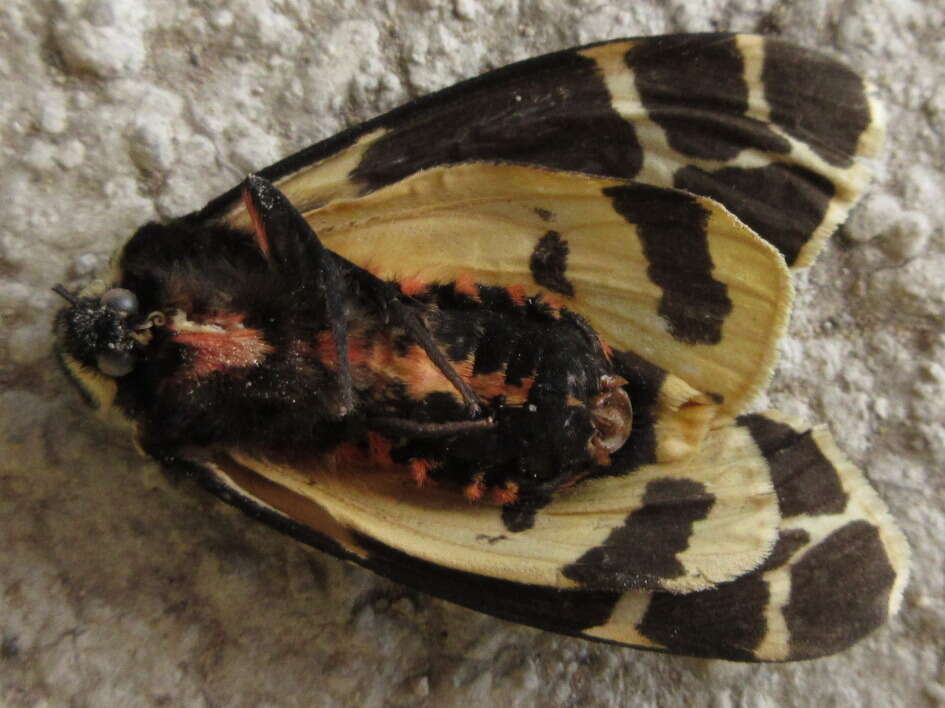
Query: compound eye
[116, 364]
[122, 301]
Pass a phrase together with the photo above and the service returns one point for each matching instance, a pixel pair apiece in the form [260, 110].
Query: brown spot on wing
[644, 550]
[815, 99]
[726, 623]
[555, 111]
[693, 86]
[805, 481]
[782, 203]
[549, 264]
[672, 227]
[839, 591]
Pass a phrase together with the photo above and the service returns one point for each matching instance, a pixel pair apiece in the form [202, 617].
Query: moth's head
[99, 330]
[101, 335]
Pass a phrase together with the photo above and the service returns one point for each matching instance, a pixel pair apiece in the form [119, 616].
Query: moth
[498, 345]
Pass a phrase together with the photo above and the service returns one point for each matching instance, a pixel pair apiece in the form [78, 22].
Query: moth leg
[415, 429]
[395, 309]
[294, 250]
[421, 335]
[333, 290]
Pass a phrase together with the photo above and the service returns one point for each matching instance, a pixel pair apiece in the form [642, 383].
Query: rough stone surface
[119, 587]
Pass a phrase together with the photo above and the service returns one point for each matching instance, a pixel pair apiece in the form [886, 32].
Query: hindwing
[836, 570]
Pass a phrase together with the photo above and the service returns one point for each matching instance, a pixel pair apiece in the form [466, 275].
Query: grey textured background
[120, 588]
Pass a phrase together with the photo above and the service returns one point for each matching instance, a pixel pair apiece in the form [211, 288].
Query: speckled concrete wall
[118, 588]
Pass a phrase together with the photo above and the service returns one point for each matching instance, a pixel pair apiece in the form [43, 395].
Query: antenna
[69, 297]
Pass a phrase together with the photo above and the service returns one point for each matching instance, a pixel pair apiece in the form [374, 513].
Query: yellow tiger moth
[498, 345]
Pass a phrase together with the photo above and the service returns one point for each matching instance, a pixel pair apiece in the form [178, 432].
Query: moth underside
[498, 345]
